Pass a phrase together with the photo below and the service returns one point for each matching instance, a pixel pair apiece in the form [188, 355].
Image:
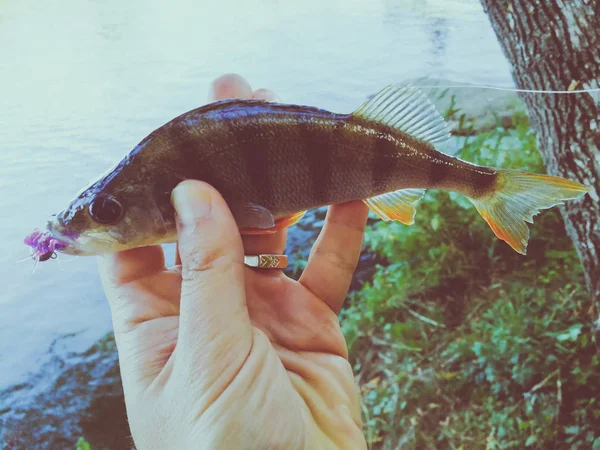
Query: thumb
[213, 313]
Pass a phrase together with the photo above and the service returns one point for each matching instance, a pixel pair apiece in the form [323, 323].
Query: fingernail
[266, 94]
[191, 200]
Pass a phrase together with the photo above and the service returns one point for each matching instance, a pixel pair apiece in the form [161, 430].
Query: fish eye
[105, 209]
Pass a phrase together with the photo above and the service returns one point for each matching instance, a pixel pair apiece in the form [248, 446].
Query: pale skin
[217, 355]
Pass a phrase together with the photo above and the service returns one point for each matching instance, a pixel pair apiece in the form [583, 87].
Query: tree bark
[555, 45]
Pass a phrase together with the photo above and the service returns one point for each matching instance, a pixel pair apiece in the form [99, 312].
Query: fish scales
[290, 158]
[286, 158]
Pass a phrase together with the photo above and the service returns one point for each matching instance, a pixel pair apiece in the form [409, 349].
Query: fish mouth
[80, 244]
[69, 239]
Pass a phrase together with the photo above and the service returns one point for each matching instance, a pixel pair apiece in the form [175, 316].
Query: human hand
[217, 355]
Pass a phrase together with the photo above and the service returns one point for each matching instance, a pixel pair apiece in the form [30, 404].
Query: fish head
[114, 214]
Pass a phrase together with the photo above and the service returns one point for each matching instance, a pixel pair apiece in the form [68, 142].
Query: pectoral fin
[279, 224]
[250, 215]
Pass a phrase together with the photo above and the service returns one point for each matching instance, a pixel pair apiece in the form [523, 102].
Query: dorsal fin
[409, 110]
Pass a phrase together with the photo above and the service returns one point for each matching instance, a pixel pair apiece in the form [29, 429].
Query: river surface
[83, 81]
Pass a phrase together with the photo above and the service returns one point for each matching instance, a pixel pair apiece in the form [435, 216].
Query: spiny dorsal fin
[409, 110]
[399, 205]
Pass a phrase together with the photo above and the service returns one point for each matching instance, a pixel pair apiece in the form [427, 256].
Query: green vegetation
[461, 343]
[82, 444]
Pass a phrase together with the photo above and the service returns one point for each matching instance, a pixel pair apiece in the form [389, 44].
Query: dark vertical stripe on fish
[318, 151]
[437, 171]
[191, 164]
[171, 171]
[483, 181]
[255, 155]
[384, 168]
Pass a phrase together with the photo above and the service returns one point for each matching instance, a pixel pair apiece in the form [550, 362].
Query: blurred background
[440, 358]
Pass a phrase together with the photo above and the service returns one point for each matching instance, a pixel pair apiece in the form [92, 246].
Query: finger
[177, 255]
[120, 268]
[213, 309]
[230, 85]
[335, 255]
[265, 94]
[268, 243]
[120, 273]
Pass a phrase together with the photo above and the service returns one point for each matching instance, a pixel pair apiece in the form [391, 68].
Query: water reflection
[438, 36]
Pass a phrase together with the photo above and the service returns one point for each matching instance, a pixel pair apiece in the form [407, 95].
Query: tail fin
[517, 198]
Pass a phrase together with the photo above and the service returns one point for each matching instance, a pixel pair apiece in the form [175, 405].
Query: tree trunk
[555, 45]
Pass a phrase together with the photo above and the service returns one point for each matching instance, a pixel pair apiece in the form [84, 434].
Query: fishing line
[498, 88]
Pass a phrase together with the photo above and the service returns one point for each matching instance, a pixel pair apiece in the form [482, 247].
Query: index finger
[117, 269]
[335, 255]
[230, 85]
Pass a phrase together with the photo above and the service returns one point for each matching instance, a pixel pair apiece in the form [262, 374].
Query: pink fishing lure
[44, 245]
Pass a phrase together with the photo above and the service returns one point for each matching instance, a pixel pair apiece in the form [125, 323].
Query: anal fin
[281, 223]
[398, 205]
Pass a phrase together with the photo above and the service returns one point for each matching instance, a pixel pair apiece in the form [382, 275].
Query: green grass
[461, 343]
[82, 444]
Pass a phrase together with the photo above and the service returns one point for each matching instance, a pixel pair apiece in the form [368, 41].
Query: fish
[272, 162]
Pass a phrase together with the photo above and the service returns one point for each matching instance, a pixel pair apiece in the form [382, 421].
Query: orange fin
[281, 223]
[518, 197]
[398, 206]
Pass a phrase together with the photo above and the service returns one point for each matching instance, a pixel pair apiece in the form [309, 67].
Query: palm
[302, 328]
[285, 310]
[292, 316]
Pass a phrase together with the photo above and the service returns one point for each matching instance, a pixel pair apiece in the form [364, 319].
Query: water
[83, 81]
